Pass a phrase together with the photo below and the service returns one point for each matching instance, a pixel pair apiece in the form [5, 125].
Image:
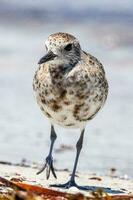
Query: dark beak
[49, 56]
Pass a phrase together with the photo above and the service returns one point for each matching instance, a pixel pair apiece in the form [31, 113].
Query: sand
[114, 185]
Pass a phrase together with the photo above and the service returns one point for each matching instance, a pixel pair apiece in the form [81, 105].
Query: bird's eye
[68, 47]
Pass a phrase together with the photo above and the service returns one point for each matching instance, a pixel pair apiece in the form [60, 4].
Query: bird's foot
[49, 167]
[67, 185]
[72, 183]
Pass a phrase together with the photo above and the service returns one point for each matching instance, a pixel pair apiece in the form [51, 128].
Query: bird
[70, 87]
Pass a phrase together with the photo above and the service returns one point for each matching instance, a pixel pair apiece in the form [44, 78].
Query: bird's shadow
[89, 188]
[100, 189]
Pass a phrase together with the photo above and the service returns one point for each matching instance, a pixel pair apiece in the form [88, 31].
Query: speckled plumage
[71, 88]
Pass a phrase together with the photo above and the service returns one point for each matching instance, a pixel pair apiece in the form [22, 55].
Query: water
[24, 132]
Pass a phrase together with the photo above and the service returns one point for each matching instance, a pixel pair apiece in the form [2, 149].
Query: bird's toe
[49, 167]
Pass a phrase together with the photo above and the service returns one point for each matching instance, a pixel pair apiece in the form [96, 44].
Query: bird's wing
[91, 63]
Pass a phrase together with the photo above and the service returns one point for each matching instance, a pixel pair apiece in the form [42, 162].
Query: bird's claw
[49, 167]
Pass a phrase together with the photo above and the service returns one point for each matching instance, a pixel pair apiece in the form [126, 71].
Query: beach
[24, 131]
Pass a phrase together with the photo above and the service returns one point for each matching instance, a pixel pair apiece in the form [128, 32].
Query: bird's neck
[59, 69]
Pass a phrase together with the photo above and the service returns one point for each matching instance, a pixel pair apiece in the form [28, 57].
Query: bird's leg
[71, 182]
[49, 159]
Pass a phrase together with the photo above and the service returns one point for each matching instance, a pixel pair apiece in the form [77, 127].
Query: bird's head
[62, 46]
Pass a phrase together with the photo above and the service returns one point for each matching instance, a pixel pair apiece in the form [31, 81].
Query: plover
[70, 88]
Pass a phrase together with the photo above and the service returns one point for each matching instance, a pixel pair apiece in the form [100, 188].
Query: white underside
[65, 117]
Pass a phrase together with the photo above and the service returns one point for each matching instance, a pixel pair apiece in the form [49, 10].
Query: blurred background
[105, 29]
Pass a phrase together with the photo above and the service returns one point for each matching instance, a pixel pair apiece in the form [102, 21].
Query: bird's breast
[68, 99]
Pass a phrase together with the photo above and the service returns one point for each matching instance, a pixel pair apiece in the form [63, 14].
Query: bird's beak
[49, 56]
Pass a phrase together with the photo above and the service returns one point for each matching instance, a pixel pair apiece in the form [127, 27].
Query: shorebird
[70, 88]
